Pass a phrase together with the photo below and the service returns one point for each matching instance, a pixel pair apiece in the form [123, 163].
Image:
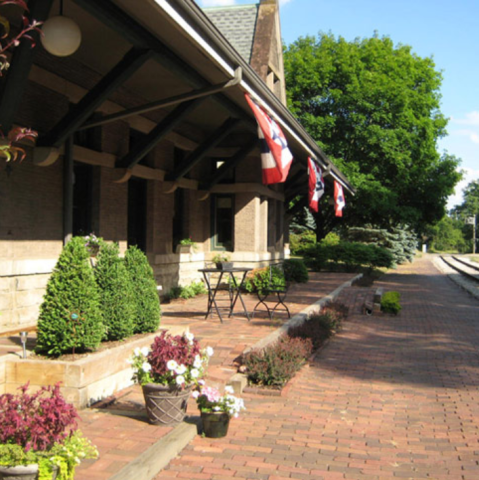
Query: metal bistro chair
[274, 293]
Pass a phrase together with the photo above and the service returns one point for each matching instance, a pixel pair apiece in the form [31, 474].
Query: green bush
[351, 255]
[145, 296]
[295, 271]
[276, 364]
[298, 242]
[116, 296]
[390, 302]
[70, 316]
[189, 291]
[259, 280]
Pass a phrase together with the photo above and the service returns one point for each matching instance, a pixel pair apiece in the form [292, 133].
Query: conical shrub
[146, 300]
[70, 316]
[115, 293]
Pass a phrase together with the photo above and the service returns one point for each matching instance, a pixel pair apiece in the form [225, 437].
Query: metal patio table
[214, 285]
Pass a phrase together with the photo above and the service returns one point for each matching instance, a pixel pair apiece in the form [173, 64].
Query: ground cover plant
[390, 302]
[187, 291]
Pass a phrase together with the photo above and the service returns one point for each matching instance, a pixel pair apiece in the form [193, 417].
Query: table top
[227, 270]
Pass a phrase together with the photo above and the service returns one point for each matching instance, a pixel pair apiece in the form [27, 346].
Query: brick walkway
[388, 398]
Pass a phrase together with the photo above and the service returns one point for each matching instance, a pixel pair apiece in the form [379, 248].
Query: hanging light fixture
[61, 35]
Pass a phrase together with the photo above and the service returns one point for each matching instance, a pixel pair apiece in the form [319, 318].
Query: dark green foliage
[70, 316]
[401, 242]
[145, 296]
[298, 242]
[351, 255]
[448, 235]
[116, 296]
[189, 291]
[390, 302]
[276, 364]
[295, 271]
[374, 108]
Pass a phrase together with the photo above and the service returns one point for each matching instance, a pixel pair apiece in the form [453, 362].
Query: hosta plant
[41, 428]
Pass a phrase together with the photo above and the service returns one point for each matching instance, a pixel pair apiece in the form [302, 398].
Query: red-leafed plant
[8, 150]
[36, 421]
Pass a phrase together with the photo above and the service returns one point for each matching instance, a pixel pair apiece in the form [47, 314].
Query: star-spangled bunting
[276, 158]
[316, 184]
[339, 202]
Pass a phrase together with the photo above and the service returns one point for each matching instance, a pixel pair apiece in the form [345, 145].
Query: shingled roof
[237, 23]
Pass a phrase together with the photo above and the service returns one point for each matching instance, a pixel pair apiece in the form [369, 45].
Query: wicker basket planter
[166, 405]
[23, 472]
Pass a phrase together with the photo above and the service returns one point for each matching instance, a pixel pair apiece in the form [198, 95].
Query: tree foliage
[447, 236]
[374, 109]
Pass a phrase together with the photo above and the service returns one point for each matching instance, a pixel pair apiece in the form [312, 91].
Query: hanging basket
[215, 425]
[166, 405]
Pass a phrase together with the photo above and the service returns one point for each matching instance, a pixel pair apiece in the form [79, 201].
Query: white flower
[229, 389]
[145, 351]
[216, 409]
[146, 367]
[137, 351]
[171, 365]
[201, 382]
[180, 380]
[209, 351]
[195, 373]
[180, 369]
[197, 363]
[190, 337]
[195, 394]
[130, 361]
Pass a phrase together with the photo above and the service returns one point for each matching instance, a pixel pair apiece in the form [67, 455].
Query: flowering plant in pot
[92, 243]
[167, 372]
[216, 409]
[39, 437]
[221, 260]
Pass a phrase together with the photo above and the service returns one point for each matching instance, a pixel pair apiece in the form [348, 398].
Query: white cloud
[472, 119]
[457, 198]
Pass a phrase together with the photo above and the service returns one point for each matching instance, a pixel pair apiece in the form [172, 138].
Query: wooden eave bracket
[46, 156]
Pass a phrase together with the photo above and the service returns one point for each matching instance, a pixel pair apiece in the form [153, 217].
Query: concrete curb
[159, 455]
[300, 317]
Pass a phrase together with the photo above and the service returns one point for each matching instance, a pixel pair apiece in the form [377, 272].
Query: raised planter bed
[84, 381]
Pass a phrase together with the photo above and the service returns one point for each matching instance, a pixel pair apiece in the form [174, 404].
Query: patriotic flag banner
[316, 184]
[339, 201]
[275, 155]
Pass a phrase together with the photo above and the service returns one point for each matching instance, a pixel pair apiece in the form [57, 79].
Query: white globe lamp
[61, 36]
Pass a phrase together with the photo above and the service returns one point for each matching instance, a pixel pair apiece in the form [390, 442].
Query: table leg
[238, 295]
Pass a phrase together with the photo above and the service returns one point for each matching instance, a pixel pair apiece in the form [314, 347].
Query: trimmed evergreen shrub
[390, 302]
[116, 297]
[70, 316]
[145, 296]
[295, 270]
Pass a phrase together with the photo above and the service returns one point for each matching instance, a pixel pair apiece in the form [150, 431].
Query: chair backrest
[279, 267]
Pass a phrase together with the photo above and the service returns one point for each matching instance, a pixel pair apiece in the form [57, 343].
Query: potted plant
[167, 372]
[186, 245]
[92, 243]
[216, 409]
[221, 260]
[39, 437]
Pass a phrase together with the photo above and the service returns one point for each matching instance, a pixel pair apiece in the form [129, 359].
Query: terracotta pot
[215, 424]
[166, 405]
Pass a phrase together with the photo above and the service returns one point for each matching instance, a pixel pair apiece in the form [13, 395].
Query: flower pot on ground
[39, 437]
[167, 373]
[216, 409]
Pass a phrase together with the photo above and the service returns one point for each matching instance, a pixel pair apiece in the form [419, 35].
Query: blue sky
[443, 29]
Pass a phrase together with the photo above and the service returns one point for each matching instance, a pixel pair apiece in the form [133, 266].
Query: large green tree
[374, 109]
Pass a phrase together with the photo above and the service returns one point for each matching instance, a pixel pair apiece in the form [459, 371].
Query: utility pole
[472, 221]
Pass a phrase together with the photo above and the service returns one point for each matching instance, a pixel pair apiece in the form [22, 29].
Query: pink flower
[212, 394]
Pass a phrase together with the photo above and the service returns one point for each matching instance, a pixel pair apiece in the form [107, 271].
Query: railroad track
[471, 272]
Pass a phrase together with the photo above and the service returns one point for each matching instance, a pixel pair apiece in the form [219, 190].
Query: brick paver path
[388, 398]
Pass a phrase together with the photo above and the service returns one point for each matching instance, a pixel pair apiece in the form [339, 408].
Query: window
[222, 222]
[82, 199]
[137, 213]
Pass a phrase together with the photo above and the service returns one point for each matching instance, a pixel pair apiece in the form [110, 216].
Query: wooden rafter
[124, 69]
[196, 156]
[152, 139]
